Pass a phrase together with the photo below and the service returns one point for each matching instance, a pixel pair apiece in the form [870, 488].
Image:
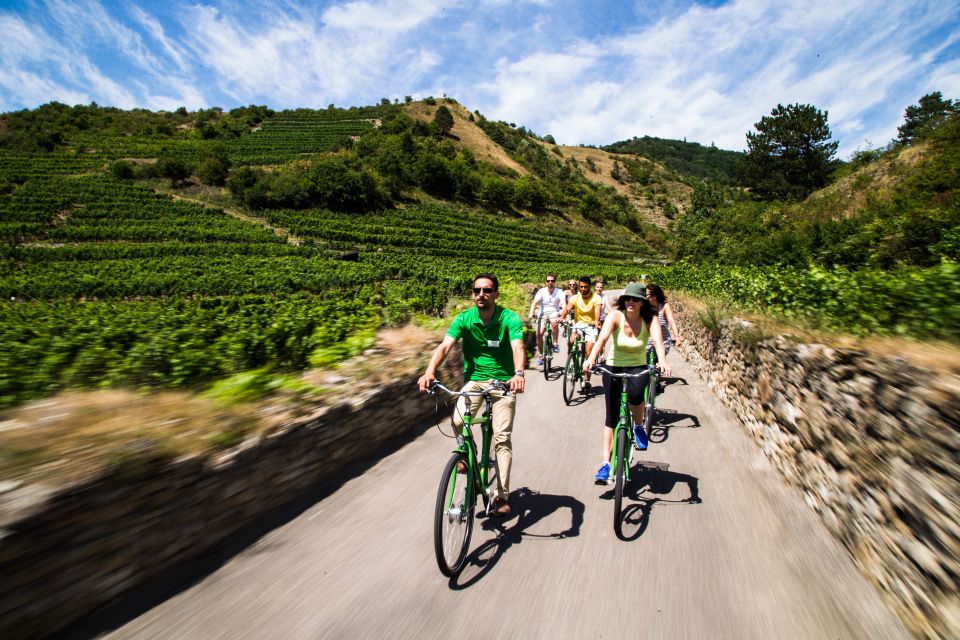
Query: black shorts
[612, 387]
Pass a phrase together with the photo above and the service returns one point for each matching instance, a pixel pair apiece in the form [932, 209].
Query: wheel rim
[454, 518]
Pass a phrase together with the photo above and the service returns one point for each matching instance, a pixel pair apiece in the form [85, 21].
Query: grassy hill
[685, 158]
[174, 249]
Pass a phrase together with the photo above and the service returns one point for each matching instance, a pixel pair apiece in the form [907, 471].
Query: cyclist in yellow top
[629, 326]
[586, 307]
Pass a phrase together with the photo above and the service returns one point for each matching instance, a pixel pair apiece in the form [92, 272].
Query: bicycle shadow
[667, 419]
[528, 508]
[648, 482]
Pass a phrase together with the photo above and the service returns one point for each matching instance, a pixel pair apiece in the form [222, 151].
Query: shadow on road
[529, 507]
[652, 483]
[667, 419]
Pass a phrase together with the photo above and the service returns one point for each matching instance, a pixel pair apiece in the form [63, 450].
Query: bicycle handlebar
[602, 369]
[495, 385]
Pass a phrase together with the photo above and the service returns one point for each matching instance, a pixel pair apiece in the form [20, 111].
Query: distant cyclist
[663, 309]
[605, 307]
[586, 316]
[631, 325]
[604, 300]
[551, 302]
[492, 339]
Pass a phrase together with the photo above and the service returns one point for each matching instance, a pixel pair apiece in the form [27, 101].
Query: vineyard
[107, 282]
[292, 134]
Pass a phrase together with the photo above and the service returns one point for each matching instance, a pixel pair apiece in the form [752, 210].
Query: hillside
[175, 249]
[653, 192]
[685, 158]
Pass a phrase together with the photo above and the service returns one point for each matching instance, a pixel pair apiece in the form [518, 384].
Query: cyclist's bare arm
[519, 361]
[438, 355]
[608, 326]
[533, 305]
[672, 323]
[658, 345]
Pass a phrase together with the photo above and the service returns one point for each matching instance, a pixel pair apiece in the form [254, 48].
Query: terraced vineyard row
[293, 134]
[106, 282]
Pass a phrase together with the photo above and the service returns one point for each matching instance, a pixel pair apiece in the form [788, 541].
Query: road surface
[749, 561]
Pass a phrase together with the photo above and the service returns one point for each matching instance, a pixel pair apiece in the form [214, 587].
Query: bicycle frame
[467, 445]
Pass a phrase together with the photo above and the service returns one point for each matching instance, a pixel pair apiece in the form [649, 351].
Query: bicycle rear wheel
[453, 516]
[651, 409]
[620, 475]
[569, 378]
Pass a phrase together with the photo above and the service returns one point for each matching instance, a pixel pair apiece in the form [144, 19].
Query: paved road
[750, 561]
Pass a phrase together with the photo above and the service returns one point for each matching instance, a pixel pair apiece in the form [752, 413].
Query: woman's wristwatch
[518, 372]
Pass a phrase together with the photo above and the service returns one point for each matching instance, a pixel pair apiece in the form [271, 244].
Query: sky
[587, 72]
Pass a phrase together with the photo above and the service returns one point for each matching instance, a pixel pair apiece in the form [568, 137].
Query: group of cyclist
[492, 342]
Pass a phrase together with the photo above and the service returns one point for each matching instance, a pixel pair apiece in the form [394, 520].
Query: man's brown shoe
[499, 509]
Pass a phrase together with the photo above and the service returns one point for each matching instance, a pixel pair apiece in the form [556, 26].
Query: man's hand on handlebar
[425, 381]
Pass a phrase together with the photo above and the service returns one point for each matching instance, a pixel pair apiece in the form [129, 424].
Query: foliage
[914, 221]
[443, 119]
[790, 155]
[922, 118]
[905, 301]
[686, 158]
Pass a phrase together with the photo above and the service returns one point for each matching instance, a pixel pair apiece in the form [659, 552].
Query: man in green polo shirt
[492, 339]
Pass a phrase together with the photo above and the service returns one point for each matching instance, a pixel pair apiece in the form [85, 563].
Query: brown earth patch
[466, 134]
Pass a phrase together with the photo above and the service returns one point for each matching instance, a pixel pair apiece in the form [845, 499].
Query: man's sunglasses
[551, 281]
[487, 290]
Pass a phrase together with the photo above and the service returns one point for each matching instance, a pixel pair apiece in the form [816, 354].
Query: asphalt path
[750, 560]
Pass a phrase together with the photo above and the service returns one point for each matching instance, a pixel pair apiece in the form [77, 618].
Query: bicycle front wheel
[569, 378]
[453, 516]
[620, 475]
[547, 352]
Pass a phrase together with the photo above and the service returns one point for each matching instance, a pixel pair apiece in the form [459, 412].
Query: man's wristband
[518, 372]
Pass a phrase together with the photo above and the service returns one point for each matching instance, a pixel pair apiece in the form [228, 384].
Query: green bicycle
[650, 393]
[622, 455]
[573, 369]
[546, 346]
[463, 479]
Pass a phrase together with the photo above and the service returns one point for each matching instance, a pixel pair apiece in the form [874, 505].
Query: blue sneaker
[639, 437]
[603, 475]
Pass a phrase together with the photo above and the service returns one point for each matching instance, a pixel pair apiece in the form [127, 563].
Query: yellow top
[585, 311]
[627, 351]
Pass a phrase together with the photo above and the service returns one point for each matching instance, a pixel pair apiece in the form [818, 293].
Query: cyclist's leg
[472, 385]
[503, 411]
[611, 393]
[555, 327]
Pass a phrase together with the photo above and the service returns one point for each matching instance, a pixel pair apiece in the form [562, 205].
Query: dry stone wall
[66, 553]
[873, 444]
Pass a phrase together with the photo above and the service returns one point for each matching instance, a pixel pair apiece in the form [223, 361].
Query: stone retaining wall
[81, 547]
[873, 444]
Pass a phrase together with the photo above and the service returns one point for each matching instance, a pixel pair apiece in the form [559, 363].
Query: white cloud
[156, 31]
[710, 73]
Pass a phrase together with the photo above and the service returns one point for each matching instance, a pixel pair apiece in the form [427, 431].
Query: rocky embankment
[872, 442]
[67, 552]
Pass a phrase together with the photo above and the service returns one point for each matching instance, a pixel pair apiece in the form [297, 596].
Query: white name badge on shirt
[493, 344]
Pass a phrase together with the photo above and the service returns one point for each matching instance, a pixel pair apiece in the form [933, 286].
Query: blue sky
[586, 72]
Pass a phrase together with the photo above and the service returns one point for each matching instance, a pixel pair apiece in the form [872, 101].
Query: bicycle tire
[453, 516]
[547, 352]
[651, 408]
[619, 481]
[569, 379]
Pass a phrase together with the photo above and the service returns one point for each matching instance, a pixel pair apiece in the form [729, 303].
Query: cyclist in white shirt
[551, 300]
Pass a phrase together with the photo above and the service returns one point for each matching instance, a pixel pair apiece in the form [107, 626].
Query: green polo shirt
[487, 354]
